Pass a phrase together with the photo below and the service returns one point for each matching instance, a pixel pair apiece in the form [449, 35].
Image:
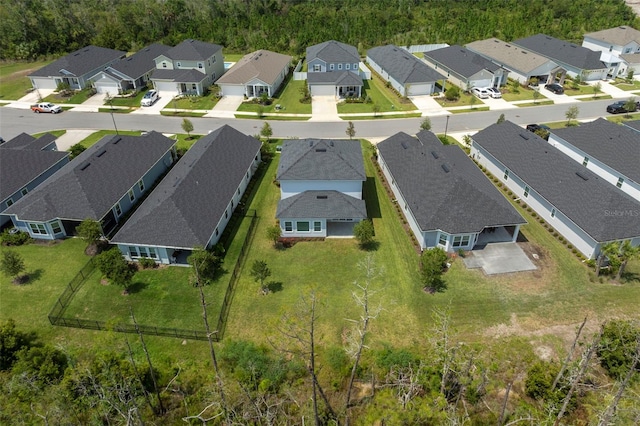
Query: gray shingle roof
[180, 75]
[321, 205]
[185, 207]
[635, 124]
[615, 145]
[562, 51]
[461, 60]
[619, 35]
[590, 203]
[80, 62]
[343, 78]
[140, 62]
[263, 65]
[25, 141]
[333, 51]
[509, 55]
[91, 184]
[442, 186]
[321, 159]
[18, 167]
[402, 66]
[192, 50]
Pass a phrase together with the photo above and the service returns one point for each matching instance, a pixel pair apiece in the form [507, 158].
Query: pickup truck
[46, 107]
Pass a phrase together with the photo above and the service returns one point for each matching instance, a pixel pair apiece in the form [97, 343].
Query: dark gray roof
[18, 167]
[321, 159]
[635, 124]
[80, 62]
[185, 207]
[321, 205]
[343, 78]
[461, 60]
[192, 50]
[442, 186]
[180, 75]
[588, 201]
[615, 145]
[562, 51]
[25, 141]
[402, 66]
[91, 184]
[140, 62]
[333, 51]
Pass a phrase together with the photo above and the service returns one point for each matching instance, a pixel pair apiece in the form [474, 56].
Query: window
[152, 253]
[355, 66]
[214, 59]
[118, 210]
[506, 174]
[288, 227]
[331, 66]
[238, 191]
[194, 87]
[461, 241]
[226, 214]
[164, 65]
[38, 228]
[143, 252]
[339, 66]
[620, 182]
[302, 226]
[132, 195]
[585, 161]
[317, 68]
[216, 232]
[141, 185]
[443, 239]
[9, 202]
[24, 191]
[317, 226]
[178, 64]
[200, 65]
[347, 66]
[133, 251]
[553, 212]
[526, 191]
[55, 227]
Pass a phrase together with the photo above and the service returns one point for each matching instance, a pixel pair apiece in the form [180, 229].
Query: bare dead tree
[442, 324]
[504, 404]
[569, 356]
[406, 381]
[137, 373]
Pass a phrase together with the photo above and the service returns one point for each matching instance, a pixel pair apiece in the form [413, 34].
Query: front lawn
[582, 89]
[288, 99]
[206, 102]
[126, 101]
[76, 98]
[624, 85]
[380, 95]
[524, 93]
[14, 82]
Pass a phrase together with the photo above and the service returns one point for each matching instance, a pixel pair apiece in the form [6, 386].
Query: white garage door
[482, 83]
[110, 87]
[323, 90]
[420, 89]
[166, 86]
[43, 83]
[229, 90]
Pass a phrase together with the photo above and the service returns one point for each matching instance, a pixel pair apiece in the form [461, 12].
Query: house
[75, 69]
[257, 72]
[102, 183]
[193, 203]
[130, 73]
[446, 199]
[610, 150]
[333, 70]
[465, 68]
[580, 205]
[26, 162]
[621, 43]
[576, 60]
[320, 187]
[523, 65]
[635, 125]
[188, 68]
[407, 74]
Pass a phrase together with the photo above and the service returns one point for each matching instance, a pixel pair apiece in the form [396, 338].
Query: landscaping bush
[14, 238]
[452, 93]
[147, 263]
[617, 347]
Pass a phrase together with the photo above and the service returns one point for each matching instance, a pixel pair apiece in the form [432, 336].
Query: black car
[539, 129]
[554, 88]
[620, 107]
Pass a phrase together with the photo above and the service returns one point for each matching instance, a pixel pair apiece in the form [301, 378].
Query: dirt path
[635, 5]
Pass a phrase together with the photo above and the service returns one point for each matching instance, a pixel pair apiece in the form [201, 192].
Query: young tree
[501, 119]
[205, 265]
[627, 252]
[364, 232]
[514, 86]
[473, 101]
[76, 150]
[187, 126]
[452, 93]
[351, 130]
[266, 131]
[12, 341]
[536, 95]
[90, 231]
[572, 114]
[597, 88]
[376, 109]
[630, 106]
[115, 268]
[12, 264]
[260, 272]
[434, 263]
[630, 75]
[425, 124]
[274, 233]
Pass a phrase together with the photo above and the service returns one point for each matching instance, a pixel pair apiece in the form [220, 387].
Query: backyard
[13, 76]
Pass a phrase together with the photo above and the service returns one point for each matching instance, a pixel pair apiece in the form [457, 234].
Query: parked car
[540, 130]
[554, 88]
[494, 92]
[481, 92]
[620, 107]
[46, 107]
[149, 98]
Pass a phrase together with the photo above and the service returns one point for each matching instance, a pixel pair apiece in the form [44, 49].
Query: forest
[37, 29]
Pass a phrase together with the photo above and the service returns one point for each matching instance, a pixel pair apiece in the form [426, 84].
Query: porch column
[515, 234]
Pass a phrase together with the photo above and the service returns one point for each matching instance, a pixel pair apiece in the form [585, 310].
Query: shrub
[452, 93]
[147, 263]
[14, 238]
[617, 347]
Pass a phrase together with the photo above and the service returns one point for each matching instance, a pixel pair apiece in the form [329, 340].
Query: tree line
[34, 29]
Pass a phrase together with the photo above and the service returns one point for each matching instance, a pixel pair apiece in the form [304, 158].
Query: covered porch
[498, 234]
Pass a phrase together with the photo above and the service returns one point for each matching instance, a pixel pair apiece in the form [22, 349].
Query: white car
[481, 92]
[149, 98]
[494, 92]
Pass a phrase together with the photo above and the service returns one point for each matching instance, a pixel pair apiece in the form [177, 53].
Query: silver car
[149, 98]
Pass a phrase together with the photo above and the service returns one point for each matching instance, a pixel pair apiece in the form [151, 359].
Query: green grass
[384, 117]
[538, 103]
[524, 93]
[193, 102]
[127, 101]
[623, 85]
[463, 100]
[182, 114]
[597, 98]
[233, 57]
[583, 89]
[387, 100]
[76, 99]
[14, 83]
[619, 118]
[273, 117]
[288, 98]
[474, 109]
[96, 136]
[56, 133]
[116, 110]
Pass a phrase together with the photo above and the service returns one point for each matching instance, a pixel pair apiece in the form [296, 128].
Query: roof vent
[523, 52]
[84, 166]
[524, 136]
[101, 153]
[321, 197]
[445, 167]
[321, 149]
[435, 155]
[582, 175]
[116, 140]
[310, 143]
[404, 145]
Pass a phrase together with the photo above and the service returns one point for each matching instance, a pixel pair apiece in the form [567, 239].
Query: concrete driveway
[499, 258]
[226, 107]
[324, 108]
[428, 106]
[163, 100]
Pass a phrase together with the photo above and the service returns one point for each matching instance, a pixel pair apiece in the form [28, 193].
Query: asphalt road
[15, 121]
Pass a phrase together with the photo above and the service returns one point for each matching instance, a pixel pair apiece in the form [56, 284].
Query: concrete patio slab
[499, 258]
